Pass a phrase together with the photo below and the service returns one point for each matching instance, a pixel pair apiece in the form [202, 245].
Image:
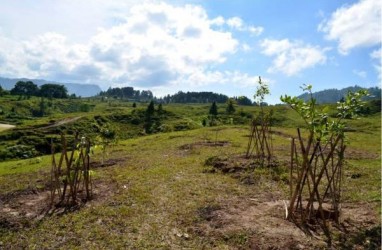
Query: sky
[194, 45]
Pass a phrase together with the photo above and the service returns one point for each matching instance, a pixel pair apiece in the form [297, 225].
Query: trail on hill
[62, 122]
[6, 126]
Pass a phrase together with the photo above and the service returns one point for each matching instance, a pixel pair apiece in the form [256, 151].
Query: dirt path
[6, 126]
[62, 122]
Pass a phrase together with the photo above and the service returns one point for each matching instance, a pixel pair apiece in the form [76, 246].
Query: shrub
[18, 151]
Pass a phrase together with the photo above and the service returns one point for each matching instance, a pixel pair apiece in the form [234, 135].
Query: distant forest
[335, 95]
[128, 93]
[324, 96]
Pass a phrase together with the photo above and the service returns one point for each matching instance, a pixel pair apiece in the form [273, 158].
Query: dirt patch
[107, 163]
[242, 168]
[204, 144]
[232, 164]
[282, 134]
[23, 208]
[353, 154]
[259, 223]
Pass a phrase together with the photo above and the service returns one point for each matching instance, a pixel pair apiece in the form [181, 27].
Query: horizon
[193, 45]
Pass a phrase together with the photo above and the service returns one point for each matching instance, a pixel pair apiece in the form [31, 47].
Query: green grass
[151, 198]
[158, 191]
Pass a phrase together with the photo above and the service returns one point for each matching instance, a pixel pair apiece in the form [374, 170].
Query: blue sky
[221, 46]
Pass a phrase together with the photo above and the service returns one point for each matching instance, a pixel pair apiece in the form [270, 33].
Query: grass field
[156, 192]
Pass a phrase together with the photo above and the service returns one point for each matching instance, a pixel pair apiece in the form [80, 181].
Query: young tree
[230, 106]
[42, 107]
[160, 108]
[106, 137]
[149, 117]
[150, 108]
[260, 140]
[213, 109]
[320, 168]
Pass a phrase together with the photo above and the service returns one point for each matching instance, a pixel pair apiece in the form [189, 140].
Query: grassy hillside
[159, 192]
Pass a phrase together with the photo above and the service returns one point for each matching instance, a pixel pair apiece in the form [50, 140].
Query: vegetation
[27, 89]
[195, 97]
[230, 107]
[335, 95]
[320, 172]
[173, 199]
[213, 110]
[128, 93]
[260, 140]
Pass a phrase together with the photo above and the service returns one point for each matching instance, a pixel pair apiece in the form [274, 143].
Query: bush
[185, 125]
[166, 128]
[18, 151]
[39, 142]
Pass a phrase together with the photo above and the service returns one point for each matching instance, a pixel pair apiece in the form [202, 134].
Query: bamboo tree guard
[316, 167]
[260, 140]
[70, 176]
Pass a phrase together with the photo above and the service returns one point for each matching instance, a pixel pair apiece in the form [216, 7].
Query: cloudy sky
[194, 45]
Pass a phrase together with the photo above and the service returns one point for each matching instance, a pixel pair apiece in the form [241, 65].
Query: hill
[84, 90]
[178, 184]
[335, 95]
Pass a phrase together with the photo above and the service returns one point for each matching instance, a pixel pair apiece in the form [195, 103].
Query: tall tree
[149, 121]
[3, 91]
[243, 100]
[53, 91]
[150, 108]
[213, 109]
[24, 89]
[230, 106]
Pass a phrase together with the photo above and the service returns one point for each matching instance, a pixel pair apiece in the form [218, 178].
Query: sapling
[319, 169]
[106, 137]
[71, 174]
[260, 139]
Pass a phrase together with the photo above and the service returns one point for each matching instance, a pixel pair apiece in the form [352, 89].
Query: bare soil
[259, 223]
[62, 122]
[352, 154]
[24, 208]
[6, 126]
[204, 144]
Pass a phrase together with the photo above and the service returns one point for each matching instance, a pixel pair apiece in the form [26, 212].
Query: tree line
[125, 93]
[26, 89]
[129, 93]
[338, 95]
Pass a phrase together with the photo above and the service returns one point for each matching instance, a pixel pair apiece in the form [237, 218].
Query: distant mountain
[84, 90]
[335, 95]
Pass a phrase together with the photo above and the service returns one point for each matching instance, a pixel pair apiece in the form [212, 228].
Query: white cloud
[360, 73]
[377, 56]
[238, 24]
[292, 57]
[147, 45]
[245, 47]
[219, 21]
[255, 30]
[357, 25]
[152, 45]
[235, 22]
